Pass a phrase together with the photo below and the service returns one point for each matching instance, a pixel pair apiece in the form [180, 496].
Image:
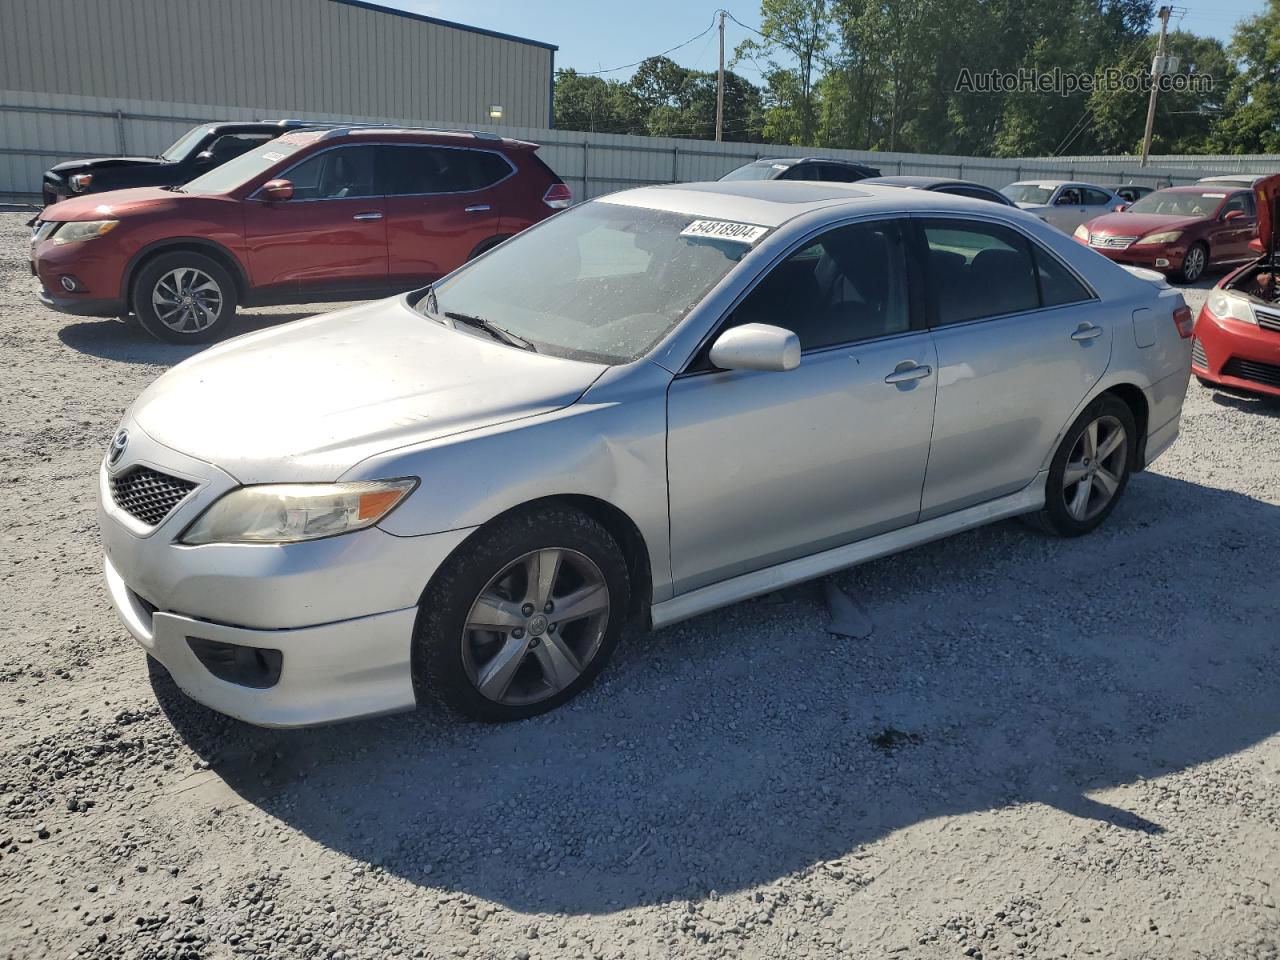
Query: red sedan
[1237, 335]
[1179, 230]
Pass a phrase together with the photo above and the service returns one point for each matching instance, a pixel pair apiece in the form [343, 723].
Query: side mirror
[204, 158]
[278, 190]
[1120, 207]
[756, 346]
[1233, 215]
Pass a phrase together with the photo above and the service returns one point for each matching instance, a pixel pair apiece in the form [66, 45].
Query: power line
[626, 66]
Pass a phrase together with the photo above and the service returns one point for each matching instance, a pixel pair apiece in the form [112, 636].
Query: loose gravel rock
[1047, 748]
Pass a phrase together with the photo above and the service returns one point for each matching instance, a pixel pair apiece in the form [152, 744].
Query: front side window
[185, 144]
[978, 270]
[1242, 202]
[1069, 197]
[760, 170]
[848, 285]
[602, 281]
[343, 173]
[1181, 203]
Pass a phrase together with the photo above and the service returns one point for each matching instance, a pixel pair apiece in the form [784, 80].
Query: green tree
[1250, 122]
[802, 29]
[585, 102]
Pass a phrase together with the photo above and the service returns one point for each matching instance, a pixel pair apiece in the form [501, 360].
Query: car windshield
[243, 168]
[1181, 203]
[1027, 193]
[601, 282]
[184, 144]
[761, 170]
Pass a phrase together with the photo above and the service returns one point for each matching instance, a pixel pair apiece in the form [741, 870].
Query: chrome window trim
[796, 245]
[513, 170]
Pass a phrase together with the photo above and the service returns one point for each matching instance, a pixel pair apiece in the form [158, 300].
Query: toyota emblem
[118, 443]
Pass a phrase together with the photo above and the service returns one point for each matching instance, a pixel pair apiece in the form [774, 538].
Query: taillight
[558, 196]
[1184, 320]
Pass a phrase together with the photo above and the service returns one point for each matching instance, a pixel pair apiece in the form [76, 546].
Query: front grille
[1198, 359]
[1267, 319]
[148, 495]
[1112, 243]
[1265, 373]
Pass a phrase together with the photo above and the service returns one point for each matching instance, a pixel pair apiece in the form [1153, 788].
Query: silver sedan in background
[649, 406]
[1063, 203]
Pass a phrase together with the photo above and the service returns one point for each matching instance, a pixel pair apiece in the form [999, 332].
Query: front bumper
[97, 267]
[1236, 355]
[1166, 257]
[341, 610]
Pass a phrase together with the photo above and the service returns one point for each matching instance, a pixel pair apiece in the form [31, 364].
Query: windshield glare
[242, 169]
[1027, 193]
[600, 282]
[184, 144]
[1181, 203]
[763, 170]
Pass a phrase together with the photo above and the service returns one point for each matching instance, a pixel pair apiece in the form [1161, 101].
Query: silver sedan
[647, 407]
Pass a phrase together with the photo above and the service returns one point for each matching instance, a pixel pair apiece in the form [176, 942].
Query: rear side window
[342, 173]
[973, 193]
[978, 270]
[835, 173]
[231, 145]
[801, 171]
[418, 170]
[1058, 285]
[1095, 197]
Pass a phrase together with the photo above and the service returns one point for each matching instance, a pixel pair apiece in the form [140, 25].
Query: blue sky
[593, 35]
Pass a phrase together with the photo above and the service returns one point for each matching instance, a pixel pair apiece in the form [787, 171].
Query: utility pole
[1157, 71]
[720, 86]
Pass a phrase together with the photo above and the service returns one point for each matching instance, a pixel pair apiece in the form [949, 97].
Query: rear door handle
[1086, 331]
[907, 371]
[476, 208]
[369, 215]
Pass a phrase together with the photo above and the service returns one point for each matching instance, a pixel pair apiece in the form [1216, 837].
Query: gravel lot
[1047, 748]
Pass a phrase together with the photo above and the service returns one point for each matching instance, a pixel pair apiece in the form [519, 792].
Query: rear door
[1020, 342]
[442, 204]
[331, 238]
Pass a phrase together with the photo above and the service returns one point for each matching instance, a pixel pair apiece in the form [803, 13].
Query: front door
[1236, 225]
[1020, 343]
[331, 238]
[765, 467]
[442, 206]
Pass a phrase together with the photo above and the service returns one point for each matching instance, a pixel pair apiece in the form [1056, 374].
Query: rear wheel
[184, 297]
[1090, 469]
[523, 617]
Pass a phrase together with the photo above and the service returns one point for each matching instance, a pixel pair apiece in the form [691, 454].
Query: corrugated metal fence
[39, 130]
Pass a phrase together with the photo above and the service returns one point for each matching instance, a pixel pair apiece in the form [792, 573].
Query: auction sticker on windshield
[747, 233]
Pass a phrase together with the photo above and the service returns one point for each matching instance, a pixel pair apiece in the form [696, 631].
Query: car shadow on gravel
[1006, 669]
[111, 339]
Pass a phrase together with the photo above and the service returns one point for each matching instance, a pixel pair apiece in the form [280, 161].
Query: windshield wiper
[488, 326]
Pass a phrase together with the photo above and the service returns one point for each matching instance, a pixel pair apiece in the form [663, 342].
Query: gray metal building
[340, 57]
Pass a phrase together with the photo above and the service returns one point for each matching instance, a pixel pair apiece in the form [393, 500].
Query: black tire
[1195, 263]
[130, 320]
[443, 648]
[485, 246]
[1057, 516]
[159, 271]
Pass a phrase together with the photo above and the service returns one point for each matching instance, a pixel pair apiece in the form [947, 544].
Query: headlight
[1224, 305]
[1082, 233]
[289, 512]
[80, 182]
[1169, 236]
[75, 230]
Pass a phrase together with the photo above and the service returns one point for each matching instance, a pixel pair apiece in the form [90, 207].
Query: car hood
[1140, 224]
[308, 400]
[68, 167]
[114, 203]
[1265, 193]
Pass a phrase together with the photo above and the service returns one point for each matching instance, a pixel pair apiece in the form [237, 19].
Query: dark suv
[803, 168]
[340, 214]
[197, 151]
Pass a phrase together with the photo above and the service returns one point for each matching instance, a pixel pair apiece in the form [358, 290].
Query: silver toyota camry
[649, 406]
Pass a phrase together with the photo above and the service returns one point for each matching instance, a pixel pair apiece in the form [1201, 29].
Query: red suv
[339, 214]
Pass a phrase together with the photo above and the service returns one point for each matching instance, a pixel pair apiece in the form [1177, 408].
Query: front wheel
[523, 617]
[1194, 263]
[184, 297]
[1090, 469]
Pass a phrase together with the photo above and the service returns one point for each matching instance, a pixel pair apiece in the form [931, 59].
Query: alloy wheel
[187, 300]
[1095, 468]
[536, 626]
[1194, 263]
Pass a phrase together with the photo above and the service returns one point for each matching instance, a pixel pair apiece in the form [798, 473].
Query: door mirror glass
[277, 190]
[756, 346]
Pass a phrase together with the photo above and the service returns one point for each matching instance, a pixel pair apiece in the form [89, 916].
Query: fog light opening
[257, 667]
[1162, 262]
[69, 284]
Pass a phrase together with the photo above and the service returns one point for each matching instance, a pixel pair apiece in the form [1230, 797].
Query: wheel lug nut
[548, 607]
[533, 642]
[517, 633]
[551, 628]
[527, 609]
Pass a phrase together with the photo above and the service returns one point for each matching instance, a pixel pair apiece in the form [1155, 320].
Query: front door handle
[368, 215]
[476, 208]
[907, 371]
[1086, 331]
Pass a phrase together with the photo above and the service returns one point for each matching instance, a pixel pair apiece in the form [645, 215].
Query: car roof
[1201, 187]
[1057, 183]
[1245, 178]
[357, 132]
[792, 161]
[773, 202]
[927, 183]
